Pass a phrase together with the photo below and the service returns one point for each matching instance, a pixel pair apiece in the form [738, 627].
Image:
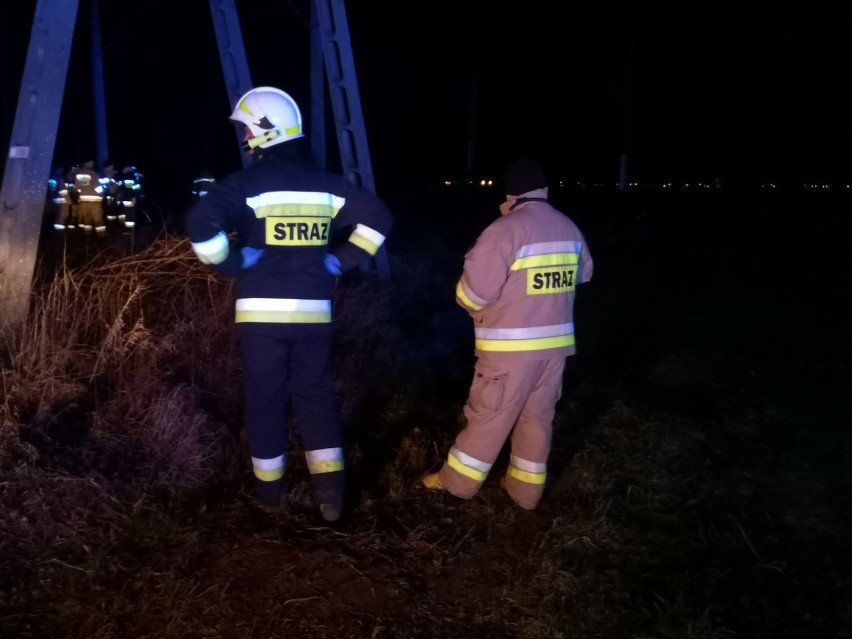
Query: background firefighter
[88, 202]
[283, 211]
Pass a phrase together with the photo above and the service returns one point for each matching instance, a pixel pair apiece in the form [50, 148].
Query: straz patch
[550, 279]
[296, 231]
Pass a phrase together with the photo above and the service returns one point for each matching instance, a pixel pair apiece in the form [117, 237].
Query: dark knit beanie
[524, 175]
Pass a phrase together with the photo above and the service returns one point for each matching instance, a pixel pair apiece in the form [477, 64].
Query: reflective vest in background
[60, 203]
[128, 195]
[108, 188]
[89, 199]
[201, 185]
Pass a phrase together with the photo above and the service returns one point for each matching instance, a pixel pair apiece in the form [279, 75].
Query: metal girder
[333, 30]
[232, 54]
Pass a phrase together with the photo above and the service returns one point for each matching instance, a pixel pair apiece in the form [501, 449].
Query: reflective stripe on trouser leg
[269, 469]
[266, 373]
[327, 478]
[531, 438]
[497, 395]
[316, 410]
[462, 474]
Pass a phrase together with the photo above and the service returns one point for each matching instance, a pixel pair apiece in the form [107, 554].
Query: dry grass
[125, 507]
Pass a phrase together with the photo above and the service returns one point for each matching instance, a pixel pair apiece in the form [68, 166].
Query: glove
[250, 256]
[332, 265]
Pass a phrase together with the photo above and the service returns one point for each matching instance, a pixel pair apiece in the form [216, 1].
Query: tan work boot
[432, 481]
[525, 506]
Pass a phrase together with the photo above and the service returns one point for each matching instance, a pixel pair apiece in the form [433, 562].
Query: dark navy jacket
[291, 210]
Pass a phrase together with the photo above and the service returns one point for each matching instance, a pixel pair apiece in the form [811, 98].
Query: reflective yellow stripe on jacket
[296, 203]
[296, 218]
[536, 338]
[366, 238]
[283, 311]
[212, 251]
[551, 267]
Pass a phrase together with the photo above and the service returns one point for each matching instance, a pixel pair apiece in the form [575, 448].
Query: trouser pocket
[488, 387]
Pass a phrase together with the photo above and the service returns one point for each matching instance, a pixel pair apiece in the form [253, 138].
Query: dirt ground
[698, 488]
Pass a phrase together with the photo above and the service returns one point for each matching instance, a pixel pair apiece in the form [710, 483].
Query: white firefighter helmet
[271, 115]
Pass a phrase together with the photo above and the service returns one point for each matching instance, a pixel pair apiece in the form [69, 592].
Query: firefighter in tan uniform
[90, 196]
[518, 285]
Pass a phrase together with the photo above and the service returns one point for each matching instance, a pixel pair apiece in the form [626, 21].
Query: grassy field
[698, 487]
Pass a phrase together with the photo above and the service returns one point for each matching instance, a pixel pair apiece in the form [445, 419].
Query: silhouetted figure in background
[128, 196]
[60, 201]
[109, 187]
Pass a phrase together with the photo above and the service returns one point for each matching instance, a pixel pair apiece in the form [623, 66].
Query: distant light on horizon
[665, 186]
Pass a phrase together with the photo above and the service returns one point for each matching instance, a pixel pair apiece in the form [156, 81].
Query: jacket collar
[537, 195]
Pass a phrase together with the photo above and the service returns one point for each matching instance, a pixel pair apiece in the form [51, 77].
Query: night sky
[740, 91]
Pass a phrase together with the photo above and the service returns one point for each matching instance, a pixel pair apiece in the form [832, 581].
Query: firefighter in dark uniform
[108, 189]
[202, 184]
[282, 211]
[127, 196]
[60, 200]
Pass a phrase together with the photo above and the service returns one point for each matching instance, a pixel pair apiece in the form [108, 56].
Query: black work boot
[269, 493]
[332, 511]
[327, 489]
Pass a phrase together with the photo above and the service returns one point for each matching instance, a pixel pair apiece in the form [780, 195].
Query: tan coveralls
[518, 286]
[90, 211]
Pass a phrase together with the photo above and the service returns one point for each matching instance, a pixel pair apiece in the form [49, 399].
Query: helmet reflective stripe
[258, 140]
[366, 238]
[324, 460]
[269, 469]
[271, 115]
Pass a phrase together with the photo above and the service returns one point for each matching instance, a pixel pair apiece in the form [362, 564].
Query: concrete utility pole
[31, 147]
